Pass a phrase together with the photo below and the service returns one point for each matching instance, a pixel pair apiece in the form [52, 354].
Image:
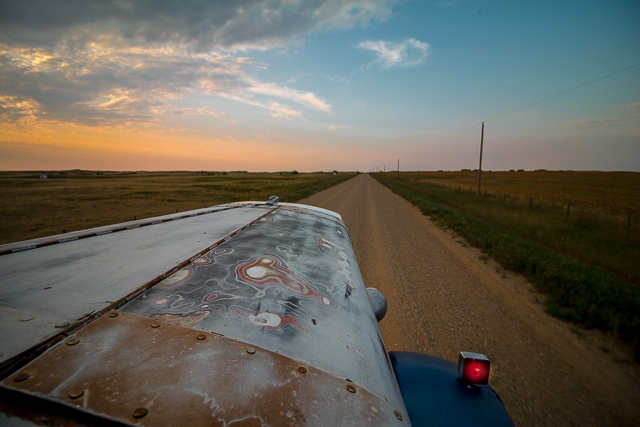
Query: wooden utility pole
[480, 166]
[398, 169]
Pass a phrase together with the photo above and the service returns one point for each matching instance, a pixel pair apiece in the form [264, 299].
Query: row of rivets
[141, 412]
[352, 389]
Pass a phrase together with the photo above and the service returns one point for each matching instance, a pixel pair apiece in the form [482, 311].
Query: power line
[461, 133]
[563, 92]
[537, 102]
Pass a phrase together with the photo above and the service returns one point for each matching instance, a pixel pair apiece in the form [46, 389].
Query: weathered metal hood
[268, 325]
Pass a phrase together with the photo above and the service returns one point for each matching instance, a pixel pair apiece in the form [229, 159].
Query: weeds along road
[443, 299]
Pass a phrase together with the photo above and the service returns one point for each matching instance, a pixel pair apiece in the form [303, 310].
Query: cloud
[119, 63]
[191, 111]
[335, 128]
[108, 81]
[590, 123]
[634, 106]
[203, 25]
[408, 53]
[304, 98]
[277, 110]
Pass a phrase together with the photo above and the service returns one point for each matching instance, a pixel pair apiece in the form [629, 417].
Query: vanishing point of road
[442, 299]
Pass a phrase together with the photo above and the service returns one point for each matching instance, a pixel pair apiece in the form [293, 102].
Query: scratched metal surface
[92, 232]
[289, 284]
[56, 285]
[143, 372]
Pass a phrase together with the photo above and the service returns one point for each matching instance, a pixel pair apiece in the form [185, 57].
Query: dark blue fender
[434, 396]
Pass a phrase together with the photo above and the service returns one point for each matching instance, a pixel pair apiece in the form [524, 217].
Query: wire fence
[571, 209]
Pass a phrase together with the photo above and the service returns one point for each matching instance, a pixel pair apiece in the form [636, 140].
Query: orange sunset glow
[343, 85]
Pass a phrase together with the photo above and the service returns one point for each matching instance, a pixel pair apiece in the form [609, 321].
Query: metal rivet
[398, 415]
[351, 388]
[75, 394]
[73, 342]
[201, 337]
[62, 325]
[155, 325]
[21, 377]
[140, 412]
[251, 350]
[114, 314]
[302, 370]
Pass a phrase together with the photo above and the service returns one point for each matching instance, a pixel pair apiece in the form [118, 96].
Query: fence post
[531, 201]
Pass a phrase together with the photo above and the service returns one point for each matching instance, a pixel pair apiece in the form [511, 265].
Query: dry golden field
[33, 207]
[574, 235]
[611, 190]
[590, 216]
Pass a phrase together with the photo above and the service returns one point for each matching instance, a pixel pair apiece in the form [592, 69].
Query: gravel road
[443, 299]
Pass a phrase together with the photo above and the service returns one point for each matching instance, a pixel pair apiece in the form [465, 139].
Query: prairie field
[574, 235]
[613, 191]
[591, 216]
[32, 207]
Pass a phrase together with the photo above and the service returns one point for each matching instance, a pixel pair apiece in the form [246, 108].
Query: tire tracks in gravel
[443, 299]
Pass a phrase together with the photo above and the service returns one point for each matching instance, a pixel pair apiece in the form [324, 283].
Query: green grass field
[587, 262]
[33, 207]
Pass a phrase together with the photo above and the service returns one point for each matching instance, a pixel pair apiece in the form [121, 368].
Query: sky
[319, 85]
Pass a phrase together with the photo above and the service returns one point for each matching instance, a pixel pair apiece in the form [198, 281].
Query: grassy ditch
[34, 207]
[577, 291]
[573, 213]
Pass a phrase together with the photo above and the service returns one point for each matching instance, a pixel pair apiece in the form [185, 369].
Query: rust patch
[124, 368]
[180, 320]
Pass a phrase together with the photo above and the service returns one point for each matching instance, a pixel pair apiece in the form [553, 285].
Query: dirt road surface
[442, 299]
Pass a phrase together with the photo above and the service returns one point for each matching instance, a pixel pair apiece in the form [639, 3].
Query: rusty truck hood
[244, 314]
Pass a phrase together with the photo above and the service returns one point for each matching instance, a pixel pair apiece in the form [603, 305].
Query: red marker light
[473, 368]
